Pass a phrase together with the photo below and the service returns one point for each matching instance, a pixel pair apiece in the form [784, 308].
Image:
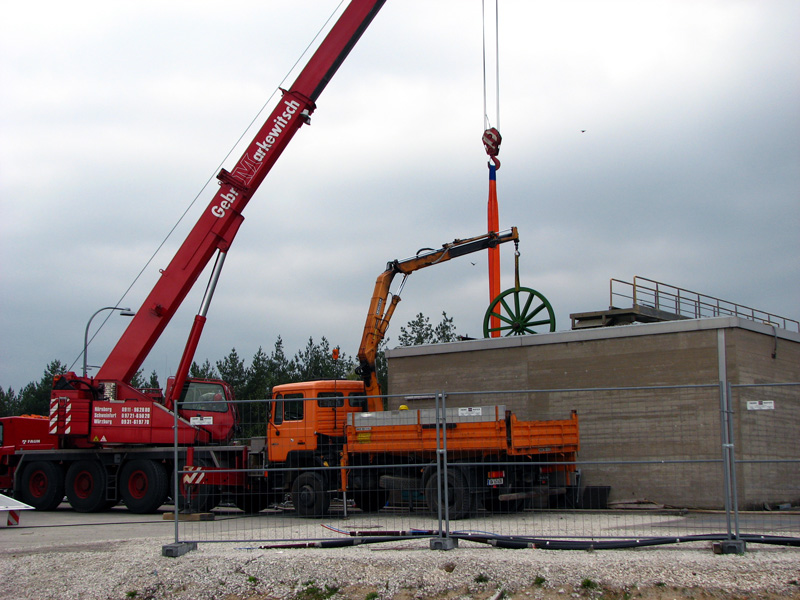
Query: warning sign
[760, 405]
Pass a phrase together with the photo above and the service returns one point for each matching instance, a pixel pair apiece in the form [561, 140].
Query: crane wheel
[42, 485]
[86, 486]
[143, 485]
[519, 311]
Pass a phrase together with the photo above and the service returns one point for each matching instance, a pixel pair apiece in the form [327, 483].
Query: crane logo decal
[251, 161]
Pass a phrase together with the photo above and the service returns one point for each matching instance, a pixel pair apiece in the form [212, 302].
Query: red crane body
[107, 441]
[219, 223]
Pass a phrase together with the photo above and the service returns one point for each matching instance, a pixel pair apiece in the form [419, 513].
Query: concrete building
[648, 397]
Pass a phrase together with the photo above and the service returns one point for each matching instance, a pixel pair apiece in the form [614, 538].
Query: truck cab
[307, 420]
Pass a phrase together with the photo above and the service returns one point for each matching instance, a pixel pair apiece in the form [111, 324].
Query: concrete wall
[626, 428]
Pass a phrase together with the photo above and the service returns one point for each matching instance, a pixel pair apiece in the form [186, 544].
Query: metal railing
[688, 304]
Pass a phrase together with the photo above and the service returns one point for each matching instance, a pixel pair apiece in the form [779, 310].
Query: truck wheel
[42, 485]
[252, 501]
[367, 493]
[86, 486]
[193, 498]
[309, 496]
[459, 496]
[143, 485]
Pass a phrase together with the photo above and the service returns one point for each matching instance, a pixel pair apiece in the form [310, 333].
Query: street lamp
[125, 312]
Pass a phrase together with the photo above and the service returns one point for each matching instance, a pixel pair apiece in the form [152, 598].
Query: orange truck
[334, 437]
[321, 442]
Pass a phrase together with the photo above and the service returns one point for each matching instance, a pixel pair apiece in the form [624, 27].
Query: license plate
[494, 481]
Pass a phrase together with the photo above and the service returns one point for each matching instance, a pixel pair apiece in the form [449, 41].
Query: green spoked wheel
[521, 311]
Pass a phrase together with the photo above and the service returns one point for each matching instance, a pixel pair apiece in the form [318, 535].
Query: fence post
[176, 548]
[443, 541]
[732, 544]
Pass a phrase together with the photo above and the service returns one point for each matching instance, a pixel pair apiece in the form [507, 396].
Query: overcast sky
[113, 115]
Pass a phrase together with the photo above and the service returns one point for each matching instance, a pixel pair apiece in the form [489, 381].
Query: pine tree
[206, 371]
[9, 403]
[35, 397]
[233, 372]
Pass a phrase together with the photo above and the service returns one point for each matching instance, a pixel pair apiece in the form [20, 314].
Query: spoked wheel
[521, 311]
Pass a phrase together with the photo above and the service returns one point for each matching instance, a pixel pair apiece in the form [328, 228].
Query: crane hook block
[491, 142]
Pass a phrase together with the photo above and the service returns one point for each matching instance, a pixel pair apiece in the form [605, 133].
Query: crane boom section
[381, 308]
[220, 221]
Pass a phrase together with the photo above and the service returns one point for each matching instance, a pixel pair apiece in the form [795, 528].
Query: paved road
[64, 528]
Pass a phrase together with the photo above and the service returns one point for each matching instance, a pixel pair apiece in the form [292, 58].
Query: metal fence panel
[651, 466]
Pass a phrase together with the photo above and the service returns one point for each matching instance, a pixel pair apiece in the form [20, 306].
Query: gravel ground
[400, 570]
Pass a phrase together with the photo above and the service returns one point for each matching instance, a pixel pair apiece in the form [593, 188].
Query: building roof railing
[687, 304]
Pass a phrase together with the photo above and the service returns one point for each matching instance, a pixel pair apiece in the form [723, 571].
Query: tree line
[253, 381]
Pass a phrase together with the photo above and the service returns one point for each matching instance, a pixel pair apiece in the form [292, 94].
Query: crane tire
[86, 486]
[42, 485]
[143, 485]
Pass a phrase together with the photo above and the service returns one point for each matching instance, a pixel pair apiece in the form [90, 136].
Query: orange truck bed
[473, 431]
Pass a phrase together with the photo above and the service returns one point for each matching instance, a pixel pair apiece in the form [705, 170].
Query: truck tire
[309, 496]
[252, 501]
[42, 485]
[86, 486]
[143, 485]
[459, 496]
[367, 494]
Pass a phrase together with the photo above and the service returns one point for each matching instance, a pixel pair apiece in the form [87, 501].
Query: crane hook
[491, 142]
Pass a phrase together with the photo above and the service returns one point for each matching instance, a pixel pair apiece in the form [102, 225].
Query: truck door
[293, 429]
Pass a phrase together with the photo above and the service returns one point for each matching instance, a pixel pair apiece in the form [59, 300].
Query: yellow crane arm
[381, 308]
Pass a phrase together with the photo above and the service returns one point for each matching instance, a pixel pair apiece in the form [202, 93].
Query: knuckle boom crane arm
[381, 308]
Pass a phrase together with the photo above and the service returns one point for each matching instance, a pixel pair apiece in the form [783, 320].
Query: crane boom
[220, 221]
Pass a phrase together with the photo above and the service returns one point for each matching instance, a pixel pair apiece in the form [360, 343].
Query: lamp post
[125, 312]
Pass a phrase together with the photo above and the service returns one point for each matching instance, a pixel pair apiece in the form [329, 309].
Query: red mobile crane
[107, 441]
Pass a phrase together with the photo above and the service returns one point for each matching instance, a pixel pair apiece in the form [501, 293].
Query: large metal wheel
[86, 486]
[143, 485]
[521, 311]
[42, 485]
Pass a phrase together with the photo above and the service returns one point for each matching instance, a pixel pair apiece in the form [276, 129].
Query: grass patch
[314, 592]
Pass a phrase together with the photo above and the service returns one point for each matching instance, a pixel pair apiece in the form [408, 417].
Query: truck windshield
[203, 396]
